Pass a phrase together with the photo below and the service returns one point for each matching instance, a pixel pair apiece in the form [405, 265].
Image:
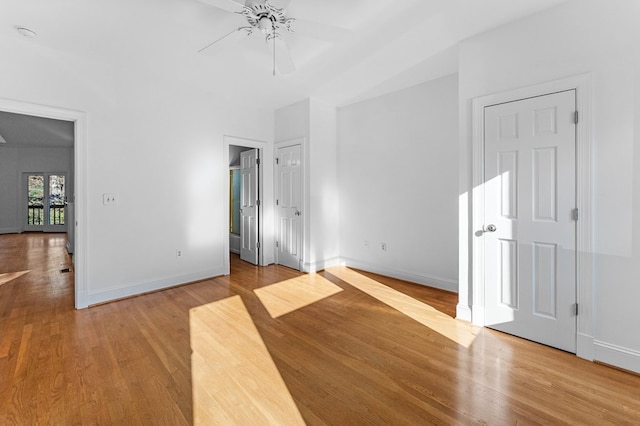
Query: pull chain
[274, 52]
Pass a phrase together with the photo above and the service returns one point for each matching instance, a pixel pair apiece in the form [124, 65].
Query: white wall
[397, 171]
[323, 187]
[9, 181]
[293, 121]
[586, 36]
[158, 144]
[315, 124]
[15, 160]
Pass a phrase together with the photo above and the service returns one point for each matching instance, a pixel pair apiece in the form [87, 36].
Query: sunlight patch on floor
[235, 380]
[457, 331]
[10, 276]
[287, 296]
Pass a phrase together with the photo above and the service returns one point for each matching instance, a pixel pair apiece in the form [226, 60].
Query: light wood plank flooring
[348, 358]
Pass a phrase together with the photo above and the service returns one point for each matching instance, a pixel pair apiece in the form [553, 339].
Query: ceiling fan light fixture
[269, 20]
[265, 24]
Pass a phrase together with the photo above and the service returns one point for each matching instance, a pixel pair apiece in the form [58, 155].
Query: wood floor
[349, 358]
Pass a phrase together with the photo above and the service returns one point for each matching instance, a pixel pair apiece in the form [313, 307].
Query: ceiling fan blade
[280, 4]
[235, 34]
[319, 31]
[282, 55]
[228, 5]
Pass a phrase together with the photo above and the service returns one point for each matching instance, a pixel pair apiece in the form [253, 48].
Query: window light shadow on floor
[458, 331]
[290, 295]
[235, 380]
[10, 276]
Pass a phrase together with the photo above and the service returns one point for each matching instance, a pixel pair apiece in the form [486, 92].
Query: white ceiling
[394, 43]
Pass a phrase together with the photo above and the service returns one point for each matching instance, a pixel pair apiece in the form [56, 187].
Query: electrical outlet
[179, 254]
[383, 246]
[110, 199]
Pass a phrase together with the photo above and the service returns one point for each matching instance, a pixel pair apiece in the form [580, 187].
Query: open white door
[289, 206]
[249, 206]
[530, 229]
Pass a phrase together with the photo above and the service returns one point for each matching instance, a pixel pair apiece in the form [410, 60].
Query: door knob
[490, 228]
[297, 213]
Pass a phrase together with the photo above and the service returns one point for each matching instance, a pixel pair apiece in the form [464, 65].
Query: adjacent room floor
[339, 347]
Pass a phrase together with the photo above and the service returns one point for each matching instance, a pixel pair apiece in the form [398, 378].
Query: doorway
[244, 203]
[245, 210]
[75, 179]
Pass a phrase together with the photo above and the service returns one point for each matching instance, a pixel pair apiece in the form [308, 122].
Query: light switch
[110, 199]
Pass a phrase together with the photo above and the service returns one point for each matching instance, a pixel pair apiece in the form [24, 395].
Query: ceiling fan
[265, 18]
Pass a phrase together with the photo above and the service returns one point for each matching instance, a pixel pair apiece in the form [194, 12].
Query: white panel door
[249, 203]
[530, 232]
[289, 206]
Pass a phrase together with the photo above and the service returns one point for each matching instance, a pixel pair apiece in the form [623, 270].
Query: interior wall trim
[423, 279]
[618, 356]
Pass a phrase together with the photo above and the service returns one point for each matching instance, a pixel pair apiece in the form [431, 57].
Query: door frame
[264, 258]
[79, 197]
[584, 200]
[305, 200]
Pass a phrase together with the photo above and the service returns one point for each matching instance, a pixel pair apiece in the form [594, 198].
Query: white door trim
[80, 178]
[584, 190]
[305, 199]
[261, 146]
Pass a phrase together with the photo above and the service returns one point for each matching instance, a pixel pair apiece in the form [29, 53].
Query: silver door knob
[490, 228]
[297, 213]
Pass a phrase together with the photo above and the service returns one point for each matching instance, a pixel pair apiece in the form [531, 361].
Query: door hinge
[258, 203]
[277, 202]
[575, 309]
[277, 244]
[258, 244]
[574, 214]
[277, 161]
[575, 117]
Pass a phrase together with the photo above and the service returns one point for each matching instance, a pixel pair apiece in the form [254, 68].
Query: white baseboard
[311, 267]
[617, 356]
[146, 287]
[9, 230]
[463, 312]
[424, 279]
